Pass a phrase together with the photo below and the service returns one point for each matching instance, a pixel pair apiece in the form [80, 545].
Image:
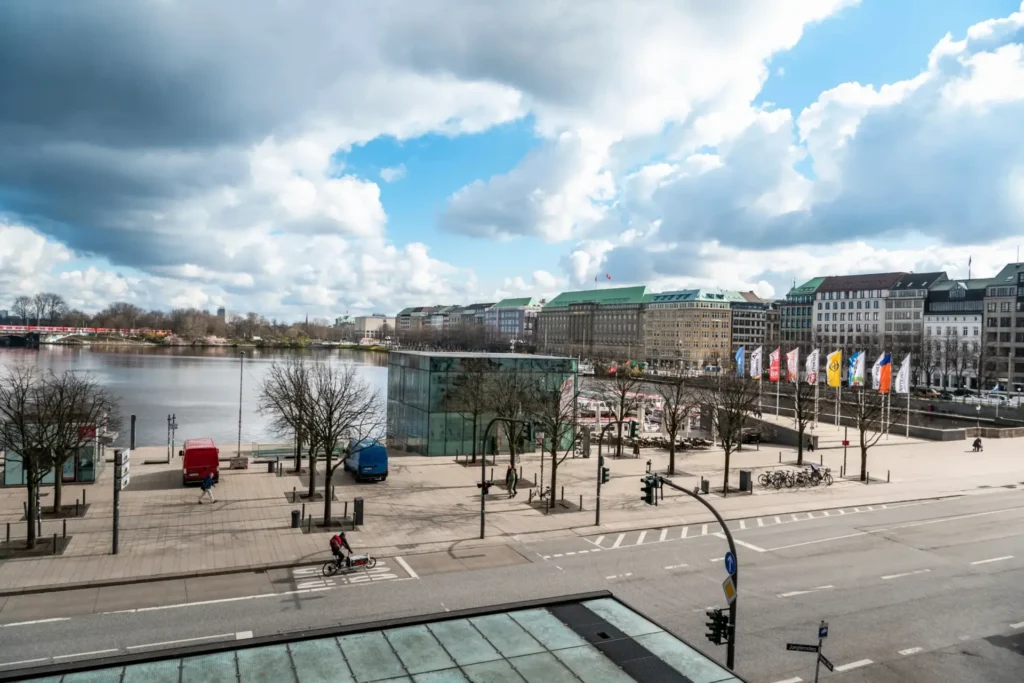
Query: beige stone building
[688, 330]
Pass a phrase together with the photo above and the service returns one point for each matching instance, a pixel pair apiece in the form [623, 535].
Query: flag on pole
[834, 368]
[856, 378]
[903, 377]
[739, 361]
[755, 363]
[793, 365]
[811, 367]
[881, 374]
[774, 360]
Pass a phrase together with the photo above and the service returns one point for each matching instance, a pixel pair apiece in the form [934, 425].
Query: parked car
[750, 436]
[368, 460]
[946, 396]
[199, 457]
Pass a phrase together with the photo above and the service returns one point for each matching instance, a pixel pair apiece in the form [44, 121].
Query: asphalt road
[912, 593]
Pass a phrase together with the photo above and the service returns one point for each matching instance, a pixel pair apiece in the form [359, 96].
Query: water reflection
[200, 386]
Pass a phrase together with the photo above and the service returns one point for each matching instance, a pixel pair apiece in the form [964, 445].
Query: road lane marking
[570, 553]
[854, 665]
[911, 651]
[37, 621]
[686, 530]
[793, 517]
[85, 654]
[842, 511]
[643, 535]
[664, 534]
[24, 661]
[619, 576]
[404, 565]
[778, 520]
[827, 513]
[243, 635]
[856, 509]
[1019, 624]
[901, 575]
[618, 541]
[743, 524]
[812, 590]
[598, 540]
[994, 559]
[703, 529]
[676, 566]
[182, 640]
[760, 522]
[820, 540]
[794, 679]
[749, 546]
[557, 555]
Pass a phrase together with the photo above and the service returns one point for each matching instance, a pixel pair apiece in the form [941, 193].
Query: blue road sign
[730, 563]
[823, 630]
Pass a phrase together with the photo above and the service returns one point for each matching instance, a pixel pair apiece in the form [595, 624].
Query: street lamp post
[172, 426]
[241, 365]
[977, 411]
[483, 470]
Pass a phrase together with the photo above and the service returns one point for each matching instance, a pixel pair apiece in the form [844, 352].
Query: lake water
[200, 386]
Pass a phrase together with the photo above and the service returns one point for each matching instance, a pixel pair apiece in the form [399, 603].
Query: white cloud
[392, 173]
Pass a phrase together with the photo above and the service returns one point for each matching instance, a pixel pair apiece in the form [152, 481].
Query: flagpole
[778, 385]
[816, 378]
[839, 398]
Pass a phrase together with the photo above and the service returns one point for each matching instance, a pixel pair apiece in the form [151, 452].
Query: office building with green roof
[796, 314]
[689, 329]
[600, 323]
[513, 319]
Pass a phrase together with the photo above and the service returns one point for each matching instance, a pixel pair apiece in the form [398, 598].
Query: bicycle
[356, 562]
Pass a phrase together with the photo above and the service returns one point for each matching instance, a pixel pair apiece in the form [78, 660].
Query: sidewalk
[432, 504]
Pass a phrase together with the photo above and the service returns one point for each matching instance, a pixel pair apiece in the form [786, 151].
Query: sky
[301, 158]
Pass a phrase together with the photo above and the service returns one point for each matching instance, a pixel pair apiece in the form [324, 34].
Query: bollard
[54, 542]
[520, 471]
[581, 502]
[333, 496]
[887, 474]
[24, 506]
[529, 500]
[83, 498]
[867, 480]
[303, 515]
[65, 533]
[563, 493]
[8, 532]
[76, 507]
[492, 474]
[309, 524]
[822, 461]
[346, 509]
[780, 457]
[293, 494]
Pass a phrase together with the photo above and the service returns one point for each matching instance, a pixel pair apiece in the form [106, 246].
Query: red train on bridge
[43, 329]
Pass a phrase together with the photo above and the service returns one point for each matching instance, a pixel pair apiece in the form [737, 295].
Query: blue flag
[739, 361]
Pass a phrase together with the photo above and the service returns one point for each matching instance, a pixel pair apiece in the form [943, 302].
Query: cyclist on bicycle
[339, 544]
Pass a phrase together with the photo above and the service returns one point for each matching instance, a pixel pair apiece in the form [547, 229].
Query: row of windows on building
[842, 316]
[1003, 322]
[847, 327]
[841, 305]
[866, 294]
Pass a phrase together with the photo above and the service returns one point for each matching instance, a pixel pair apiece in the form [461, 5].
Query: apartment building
[414, 318]
[690, 329]
[953, 322]
[749, 324]
[513, 318]
[376, 326]
[849, 312]
[796, 316]
[1003, 344]
[904, 318]
[598, 323]
[469, 316]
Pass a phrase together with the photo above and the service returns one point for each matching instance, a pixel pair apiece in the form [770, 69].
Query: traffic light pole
[483, 471]
[600, 468]
[730, 655]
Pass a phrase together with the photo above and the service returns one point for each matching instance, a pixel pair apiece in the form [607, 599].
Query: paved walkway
[432, 504]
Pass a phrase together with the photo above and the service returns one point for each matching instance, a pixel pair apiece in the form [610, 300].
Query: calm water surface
[200, 386]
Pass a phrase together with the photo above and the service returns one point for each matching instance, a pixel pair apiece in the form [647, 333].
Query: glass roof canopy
[596, 640]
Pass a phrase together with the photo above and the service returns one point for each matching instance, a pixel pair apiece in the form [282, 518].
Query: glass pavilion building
[419, 420]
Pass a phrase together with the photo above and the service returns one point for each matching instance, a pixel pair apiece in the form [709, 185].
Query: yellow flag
[835, 368]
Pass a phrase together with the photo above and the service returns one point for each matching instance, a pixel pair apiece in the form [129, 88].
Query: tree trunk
[30, 536]
[863, 458]
[618, 446]
[475, 419]
[312, 473]
[672, 455]
[725, 479]
[554, 474]
[328, 478]
[58, 486]
[800, 446]
[298, 451]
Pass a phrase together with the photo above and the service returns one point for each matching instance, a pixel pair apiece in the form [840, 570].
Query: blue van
[369, 460]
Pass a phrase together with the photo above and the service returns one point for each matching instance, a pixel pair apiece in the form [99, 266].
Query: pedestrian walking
[207, 489]
[511, 479]
[636, 449]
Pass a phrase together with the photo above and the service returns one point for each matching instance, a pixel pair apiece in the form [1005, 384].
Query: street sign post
[729, 588]
[823, 630]
[800, 647]
[822, 659]
[122, 469]
[730, 563]
[816, 649]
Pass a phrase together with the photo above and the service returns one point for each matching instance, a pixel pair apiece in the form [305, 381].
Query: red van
[200, 457]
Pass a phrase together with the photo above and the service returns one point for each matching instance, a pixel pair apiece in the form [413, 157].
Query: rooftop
[919, 280]
[520, 302]
[614, 295]
[809, 287]
[976, 283]
[1009, 273]
[719, 295]
[587, 638]
[843, 283]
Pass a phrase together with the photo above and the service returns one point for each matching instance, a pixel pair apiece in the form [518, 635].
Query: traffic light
[485, 487]
[529, 432]
[606, 474]
[632, 429]
[648, 489]
[718, 627]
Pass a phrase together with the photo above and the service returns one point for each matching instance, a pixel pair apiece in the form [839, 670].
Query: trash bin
[295, 519]
[746, 481]
[271, 466]
[705, 485]
[357, 512]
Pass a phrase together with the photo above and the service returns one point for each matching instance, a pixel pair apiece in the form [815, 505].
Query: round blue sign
[730, 563]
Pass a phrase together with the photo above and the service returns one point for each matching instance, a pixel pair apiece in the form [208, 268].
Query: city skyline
[832, 138]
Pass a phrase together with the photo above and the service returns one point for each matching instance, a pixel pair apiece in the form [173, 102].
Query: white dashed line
[618, 541]
[760, 522]
[85, 654]
[778, 520]
[405, 565]
[900, 576]
[570, 553]
[676, 566]
[703, 529]
[184, 640]
[743, 524]
[994, 559]
[812, 590]
[664, 534]
[794, 679]
[243, 635]
[643, 535]
[827, 513]
[686, 530]
[24, 661]
[854, 665]
[32, 623]
[911, 651]
[1019, 624]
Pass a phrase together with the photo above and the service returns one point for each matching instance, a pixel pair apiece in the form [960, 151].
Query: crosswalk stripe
[743, 524]
[598, 540]
[686, 530]
[664, 533]
[643, 535]
[618, 541]
[760, 522]
[703, 529]
[777, 520]
[793, 517]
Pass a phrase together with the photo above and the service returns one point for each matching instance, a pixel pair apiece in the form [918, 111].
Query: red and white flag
[773, 365]
[793, 365]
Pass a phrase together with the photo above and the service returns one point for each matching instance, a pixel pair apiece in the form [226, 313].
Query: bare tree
[619, 393]
[728, 401]
[964, 360]
[345, 407]
[868, 411]
[75, 409]
[284, 397]
[470, 393]
[510, 396]
[22, 307]
[553, 411]
[22, 400]
[803, 413]
[678, 407]
[39, 304]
